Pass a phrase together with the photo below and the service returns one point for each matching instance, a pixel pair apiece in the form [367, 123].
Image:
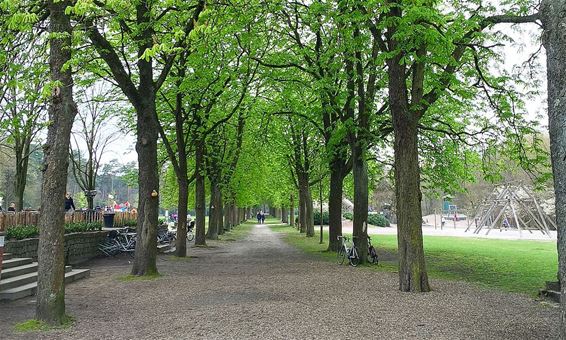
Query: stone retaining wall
[79, 247]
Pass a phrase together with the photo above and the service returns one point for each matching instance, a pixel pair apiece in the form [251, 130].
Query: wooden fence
[8, 219]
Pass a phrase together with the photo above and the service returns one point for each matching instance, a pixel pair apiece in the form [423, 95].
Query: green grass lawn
[515, 266]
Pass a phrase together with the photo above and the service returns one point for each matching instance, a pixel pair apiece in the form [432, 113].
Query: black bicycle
[372, 253]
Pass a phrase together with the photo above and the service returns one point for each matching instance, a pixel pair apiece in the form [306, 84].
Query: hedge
[325, 218]
[378, 220]
[20, 232]
[373, 219]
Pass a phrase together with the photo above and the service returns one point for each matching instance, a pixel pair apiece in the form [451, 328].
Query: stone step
[550, 295]
[20, 270]
[11, 263]
[21, 280]
[31, 288]
[7, 256]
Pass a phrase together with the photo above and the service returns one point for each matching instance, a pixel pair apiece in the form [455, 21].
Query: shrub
[130, 223]
[325, 217]
[19, 232]
[81, 227]
[378, 220]
[348, 216]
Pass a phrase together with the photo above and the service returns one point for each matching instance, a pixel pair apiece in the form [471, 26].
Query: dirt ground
[262, 288]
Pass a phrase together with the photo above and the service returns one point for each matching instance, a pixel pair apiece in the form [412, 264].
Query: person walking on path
[262, 217]
[258, 217]
[69, 203]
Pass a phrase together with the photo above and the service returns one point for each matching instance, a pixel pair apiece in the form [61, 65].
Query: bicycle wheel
[190, 236]
[341, 255]
[372, 255]
[353, 257]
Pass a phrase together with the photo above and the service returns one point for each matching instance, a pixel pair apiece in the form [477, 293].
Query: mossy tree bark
[50, 306]
[553, 16]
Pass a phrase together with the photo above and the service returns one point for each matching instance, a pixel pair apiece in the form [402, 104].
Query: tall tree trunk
[146, 147]
[200, 196]
[412, 270]
[219, 214]
[212, 233]
[309, 212]
[554, 40]
[22, 162]
[182, 210]
[227, 209]
[292, 211]
[302, 210]
[90, 202]
[337, 174]
[284, 215]
[50, 305]
[234, 216]
[360, 173]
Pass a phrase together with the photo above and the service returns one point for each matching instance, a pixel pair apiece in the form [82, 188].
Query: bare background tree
[22, 109]
[92, 135]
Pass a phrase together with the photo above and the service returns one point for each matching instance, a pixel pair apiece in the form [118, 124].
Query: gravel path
[262, 288]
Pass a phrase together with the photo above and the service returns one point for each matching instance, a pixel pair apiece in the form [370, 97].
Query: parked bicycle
[119, 241]
[372, 253]
[190, 232]
[165, 236]
[350, 252]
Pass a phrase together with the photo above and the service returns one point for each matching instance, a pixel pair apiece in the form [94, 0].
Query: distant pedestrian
[258, 217]
[69, 203]
[12, 207]
[262, 217]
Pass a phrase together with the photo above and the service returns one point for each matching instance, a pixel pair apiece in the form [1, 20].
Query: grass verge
[133, 278]
[34, 325]
[520, 266]
[238, 233]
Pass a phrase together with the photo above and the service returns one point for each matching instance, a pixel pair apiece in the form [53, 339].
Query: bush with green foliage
[130, 223]
[81, 227]
[20, 232]
[378, 220]
[348, 216]
[325, 217]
